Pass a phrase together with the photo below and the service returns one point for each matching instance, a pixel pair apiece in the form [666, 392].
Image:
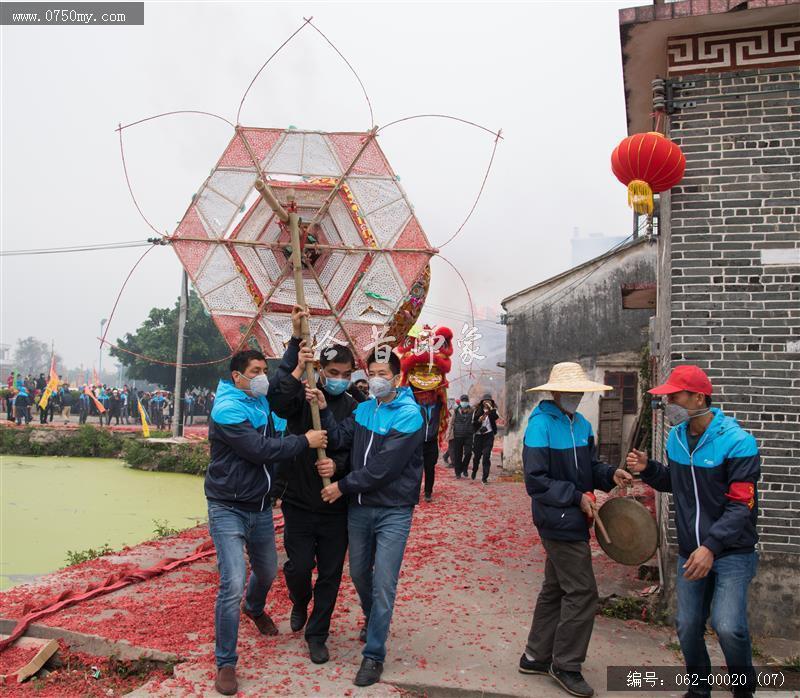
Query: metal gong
[631, 528]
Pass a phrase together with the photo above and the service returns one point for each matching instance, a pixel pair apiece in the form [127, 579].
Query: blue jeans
[232, 530]
[377, 537]
[723, 596]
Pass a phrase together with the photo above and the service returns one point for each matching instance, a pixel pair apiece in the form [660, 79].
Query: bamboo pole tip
[260, 186]
[291, 195]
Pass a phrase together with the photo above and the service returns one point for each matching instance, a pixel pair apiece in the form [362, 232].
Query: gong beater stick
[599, 524]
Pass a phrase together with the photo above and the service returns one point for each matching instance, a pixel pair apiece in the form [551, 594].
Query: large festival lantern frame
[362, 257]
[310, 218]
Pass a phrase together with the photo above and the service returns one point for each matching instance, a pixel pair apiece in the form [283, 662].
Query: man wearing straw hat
[561, 474]
[712, 469]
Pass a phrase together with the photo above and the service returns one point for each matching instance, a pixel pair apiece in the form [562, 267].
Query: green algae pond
[50, 504]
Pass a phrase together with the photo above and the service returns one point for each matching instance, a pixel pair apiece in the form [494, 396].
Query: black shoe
[298, 617]
[318, 651]
[572, 682]
[369, 672]
[362, 634]
[528, 666]
[428, 497]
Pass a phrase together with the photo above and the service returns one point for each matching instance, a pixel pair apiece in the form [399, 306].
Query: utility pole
[177, 424]
[100, 361]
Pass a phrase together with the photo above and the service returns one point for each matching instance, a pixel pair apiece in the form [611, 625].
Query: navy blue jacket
[431, 414]
[298, 483]
[713, 487]
[245, 448]
[22, 399]
[385, 442]
[560, 462]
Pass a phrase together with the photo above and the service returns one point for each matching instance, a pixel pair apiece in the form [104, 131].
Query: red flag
[97, 402]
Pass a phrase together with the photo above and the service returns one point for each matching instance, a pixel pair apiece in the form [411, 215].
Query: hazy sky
[548, 74]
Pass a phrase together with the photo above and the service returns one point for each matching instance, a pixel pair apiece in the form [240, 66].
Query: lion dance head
[424, 363]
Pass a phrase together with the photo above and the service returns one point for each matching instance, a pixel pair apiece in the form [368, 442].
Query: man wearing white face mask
[244, 449]
[385, 436]
[712, 470]
[561, 474]
[315, 533]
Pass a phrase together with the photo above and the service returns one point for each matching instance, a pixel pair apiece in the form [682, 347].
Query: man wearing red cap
[712, 470]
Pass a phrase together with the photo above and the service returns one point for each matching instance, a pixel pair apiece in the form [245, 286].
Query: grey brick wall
[725, 310]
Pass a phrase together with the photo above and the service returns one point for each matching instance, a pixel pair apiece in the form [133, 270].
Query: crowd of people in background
[21, 401]
[22, 396]
[470, 436]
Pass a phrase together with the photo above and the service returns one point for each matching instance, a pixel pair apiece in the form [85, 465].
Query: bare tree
[32, 355]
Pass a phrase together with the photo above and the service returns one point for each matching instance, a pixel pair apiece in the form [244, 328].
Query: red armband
[742, 492]
[591, 496]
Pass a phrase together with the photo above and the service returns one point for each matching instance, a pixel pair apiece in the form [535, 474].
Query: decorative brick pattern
[760, 47]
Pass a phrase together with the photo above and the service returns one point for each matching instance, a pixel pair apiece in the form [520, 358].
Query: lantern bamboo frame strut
[293, 219]
[230, 242]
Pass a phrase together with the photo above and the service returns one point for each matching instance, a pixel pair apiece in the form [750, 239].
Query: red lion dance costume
[424, 363]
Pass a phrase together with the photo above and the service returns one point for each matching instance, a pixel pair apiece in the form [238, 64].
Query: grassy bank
[92, 442]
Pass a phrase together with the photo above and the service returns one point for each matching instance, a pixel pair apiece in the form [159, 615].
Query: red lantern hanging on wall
[647, 163]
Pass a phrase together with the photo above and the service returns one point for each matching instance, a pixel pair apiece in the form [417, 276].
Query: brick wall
[730, 289]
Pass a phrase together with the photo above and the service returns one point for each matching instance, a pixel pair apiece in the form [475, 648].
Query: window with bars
[625, 385]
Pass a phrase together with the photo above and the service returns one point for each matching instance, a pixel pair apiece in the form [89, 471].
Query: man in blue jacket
[22, 406]
[84, 406]
[561, 474]
[244, 452]
[385, 436]
[712, 470]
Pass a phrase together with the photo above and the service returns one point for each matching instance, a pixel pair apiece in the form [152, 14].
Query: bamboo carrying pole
[293, 220]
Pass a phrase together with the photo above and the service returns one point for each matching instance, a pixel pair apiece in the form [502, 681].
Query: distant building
[579, 316]
[5, 360]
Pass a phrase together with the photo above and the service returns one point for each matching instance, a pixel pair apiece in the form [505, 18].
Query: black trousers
[482, 451]
[430, 455]
[311, 540]
[564, 614]
[462, 453]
